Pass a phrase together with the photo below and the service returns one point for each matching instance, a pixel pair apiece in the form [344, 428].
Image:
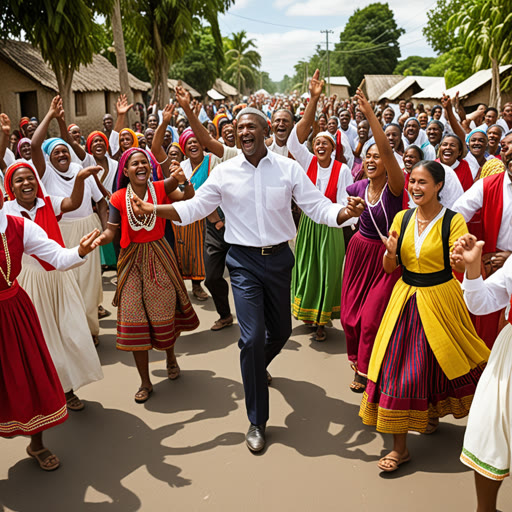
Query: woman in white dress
[55, 295]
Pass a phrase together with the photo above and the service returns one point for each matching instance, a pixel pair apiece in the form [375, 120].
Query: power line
[268, 22]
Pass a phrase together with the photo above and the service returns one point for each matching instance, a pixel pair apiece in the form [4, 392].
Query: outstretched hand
[182, 97]
[122, 105]
[89, 242]
[55, 107]
[316, 85]
[446, 101]
[140, 207]
[89, 171]
[5, 123]
[167, 114]
[362, 102]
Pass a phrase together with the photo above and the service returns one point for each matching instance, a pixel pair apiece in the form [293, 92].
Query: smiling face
[323, 148]
[449, 151]
[322, 124]
[26, 151]
[434, 134]
[175, 154]
[411, 131]
[507, 113]
[193, 149]
[506, 147]
[137, 169]
[344, 118]
[411, 158]
[24, 187]
[125, 140]
[251, 134]
[282, 125]
[436, 113]
[98, 147]
[75, 134]
[13, 140]
[423, 120]
[332, 126]
[388, 115]
[228, 135]
[478, 144]
[363, 130]
[152, 122]
[167, 139]
[108, 123]
[60, 158]
[422, 187]
[393, 135]
[373, 164]
[30, 129]
[494, 136]
[490, 118]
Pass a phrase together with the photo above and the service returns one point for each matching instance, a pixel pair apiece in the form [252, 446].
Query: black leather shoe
[255, 438]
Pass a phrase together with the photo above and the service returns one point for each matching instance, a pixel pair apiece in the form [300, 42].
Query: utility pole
[327, 32]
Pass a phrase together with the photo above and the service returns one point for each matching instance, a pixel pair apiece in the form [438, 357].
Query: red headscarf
[92, 136]
[45, 216]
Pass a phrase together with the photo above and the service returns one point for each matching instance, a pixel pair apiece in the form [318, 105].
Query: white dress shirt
[304, 157]
[280, 150]
[36, 241]
[484, 297]
[256, 201]
[472, 200]
[352, 136]
[347, 149]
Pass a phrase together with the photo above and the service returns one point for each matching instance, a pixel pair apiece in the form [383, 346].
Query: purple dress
[366, 288]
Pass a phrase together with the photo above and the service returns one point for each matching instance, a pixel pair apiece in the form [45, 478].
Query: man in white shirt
[348, 129]
[255, 190]
[282, 124]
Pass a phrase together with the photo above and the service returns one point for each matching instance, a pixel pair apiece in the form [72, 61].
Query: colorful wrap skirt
[316, 276]
[365, 294]
[488, 440]
[412, 386]
[153, 304]
[189, 249]
[32, 399]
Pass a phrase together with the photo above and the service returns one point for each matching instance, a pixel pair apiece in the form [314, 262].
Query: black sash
[434, 278]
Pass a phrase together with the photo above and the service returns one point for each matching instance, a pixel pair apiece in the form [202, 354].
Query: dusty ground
[184, 449]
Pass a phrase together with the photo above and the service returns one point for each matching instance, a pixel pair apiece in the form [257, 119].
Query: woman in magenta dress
[366, 288]
[32, 399]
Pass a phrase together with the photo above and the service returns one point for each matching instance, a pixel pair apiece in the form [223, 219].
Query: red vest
[332, 185]
[492, 210]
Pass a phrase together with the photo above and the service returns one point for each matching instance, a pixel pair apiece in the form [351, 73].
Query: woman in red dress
[32, 399]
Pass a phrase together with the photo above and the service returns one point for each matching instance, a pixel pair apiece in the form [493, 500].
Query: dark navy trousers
[261, 290]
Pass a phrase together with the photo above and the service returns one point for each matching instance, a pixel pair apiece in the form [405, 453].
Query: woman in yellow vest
[427, 357]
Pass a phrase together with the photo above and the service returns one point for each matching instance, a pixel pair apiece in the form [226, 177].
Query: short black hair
[417, 149]
[436, 170]
[457, 138]
[491, 109]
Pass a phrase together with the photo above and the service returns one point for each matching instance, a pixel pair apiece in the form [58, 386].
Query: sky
[286, 31]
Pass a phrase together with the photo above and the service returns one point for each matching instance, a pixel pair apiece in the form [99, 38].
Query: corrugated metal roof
[338, 80]
[409, 81]
[375, 85]
[100, 75]
[215, 95]
[172, 83]
[224, 88]
[465, 88]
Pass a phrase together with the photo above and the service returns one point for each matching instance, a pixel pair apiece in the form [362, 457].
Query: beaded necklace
[8, 260]
[148, 221]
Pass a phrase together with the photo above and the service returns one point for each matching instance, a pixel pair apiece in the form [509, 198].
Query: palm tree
[484, 27]
[161, 32]
[242, 63]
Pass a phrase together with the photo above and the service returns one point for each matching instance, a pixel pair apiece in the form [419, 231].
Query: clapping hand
[466, 250]
[391, 243]
[89, 242]
[5, 123]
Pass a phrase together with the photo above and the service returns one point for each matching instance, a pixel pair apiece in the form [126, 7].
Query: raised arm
[202, 134]
[64, 134]
[5, 132]
[158, 139]
[74, 201]
[315, 90]
[40, 135]
[122, 108]
[396, 180]
[456, 127]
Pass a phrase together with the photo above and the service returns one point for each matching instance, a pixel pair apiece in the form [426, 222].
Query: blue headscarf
[472, 132]
[50, 144]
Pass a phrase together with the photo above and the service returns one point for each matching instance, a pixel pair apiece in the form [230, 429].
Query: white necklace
[146, 222]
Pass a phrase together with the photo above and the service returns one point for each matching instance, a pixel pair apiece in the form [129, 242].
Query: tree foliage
[414, 65]
[201, 64]
[439, 37]
[369, 43]
[65, 32]
[242, 62]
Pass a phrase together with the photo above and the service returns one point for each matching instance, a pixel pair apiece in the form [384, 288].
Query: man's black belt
[424, 280]
[267, 250]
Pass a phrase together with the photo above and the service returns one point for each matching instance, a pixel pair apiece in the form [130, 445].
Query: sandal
[395, 463]
[322, 336]
[173, 371]
[221, 323]
[199, 293]
[358, 385]
[74, 403]
[102, 312]
[432, 426]
[142, 395]
[48, 463]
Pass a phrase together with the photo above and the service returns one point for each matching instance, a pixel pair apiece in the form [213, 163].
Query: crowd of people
[400, 218]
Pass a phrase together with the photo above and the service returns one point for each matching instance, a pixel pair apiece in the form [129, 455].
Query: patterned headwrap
[135, 143]
[122, 180]
[148, 131]
[175, 144]
[184, 137]
[24, 140]
[20, 164]
[92, 136]
[50, 144]
[217, 118]
[24, 121]
[472, 132]
[71, 126]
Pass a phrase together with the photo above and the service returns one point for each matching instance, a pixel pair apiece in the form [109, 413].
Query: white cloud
[240, 4]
